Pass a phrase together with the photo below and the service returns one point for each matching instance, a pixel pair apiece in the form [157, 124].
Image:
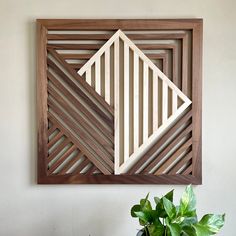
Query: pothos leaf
[210, 224]
[187, 202]
[169, 208]
[160, 207]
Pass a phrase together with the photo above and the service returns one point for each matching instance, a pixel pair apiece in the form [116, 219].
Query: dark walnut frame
[188, 33]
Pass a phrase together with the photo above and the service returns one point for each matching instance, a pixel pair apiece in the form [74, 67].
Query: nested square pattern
[119, 101]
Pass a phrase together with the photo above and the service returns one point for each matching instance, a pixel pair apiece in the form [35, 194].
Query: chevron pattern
[120, 103]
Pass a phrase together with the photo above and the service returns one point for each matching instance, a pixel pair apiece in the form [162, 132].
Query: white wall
[28, 209]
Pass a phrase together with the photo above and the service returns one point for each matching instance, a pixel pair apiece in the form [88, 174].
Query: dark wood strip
[76, 56]
[154, 56]
[70, 163]
[58, 149]
[74, 46]
[120, 179]
[91, 170]
[155, 46]
[167, 149]
[78, 36]
[180, 163]
[82, 135]
[81, 166]
[99, 139]
[188, 170]
[173, 157]
[51, 130]
[54, 140]
[42, 120]
[115, 24]
[86, 99]
[79, 145]
[96, 36]
[162, 141]
[197, 99]
[100, 100]
[184, 63]
[76, 66]
[175, 59]
[107, 131]
[60, 161]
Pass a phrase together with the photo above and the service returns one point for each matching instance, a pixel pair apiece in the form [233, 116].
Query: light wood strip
[145, 101]
[173, 157]
[180, 163]
[60, 161]
[58, 149]
[155, 101]
[117, 104]
[71, 162]
[136, 101]
[88, 76]
[103, 127]
[107, 77]
[154, 68]
[168, 149]
[98, 76]
[77, 90]
[164, 102]
[87, 87]
[171, 132]
[54, 140]
[126, 103]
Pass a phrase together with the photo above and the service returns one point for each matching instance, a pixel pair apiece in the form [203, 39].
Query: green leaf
[201, 230]
[188, 202]
[157, 200]
[188, 231]
[144, 217]
[160, 207]
[156, 230]
[188, 221]
[134, 209]
[210, 224]
[170, 195]
[145, 204]
[175, 229]
[169, 208]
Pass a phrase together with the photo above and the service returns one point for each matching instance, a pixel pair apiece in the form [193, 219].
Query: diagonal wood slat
[90, 144]
[80, 146]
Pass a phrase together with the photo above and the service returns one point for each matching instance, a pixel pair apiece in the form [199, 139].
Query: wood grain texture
[177, 46]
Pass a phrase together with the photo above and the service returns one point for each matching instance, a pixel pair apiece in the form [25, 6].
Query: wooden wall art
[119, 101]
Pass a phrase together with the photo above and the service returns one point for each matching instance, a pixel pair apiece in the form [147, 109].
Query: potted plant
[166, 219]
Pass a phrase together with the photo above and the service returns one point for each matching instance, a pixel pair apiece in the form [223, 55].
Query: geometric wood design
[134, 134]
[119, 101]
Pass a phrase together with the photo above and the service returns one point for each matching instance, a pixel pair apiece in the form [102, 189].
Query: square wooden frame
[193, 25]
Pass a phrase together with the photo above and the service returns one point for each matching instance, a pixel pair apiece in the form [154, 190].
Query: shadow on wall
[31, 47]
